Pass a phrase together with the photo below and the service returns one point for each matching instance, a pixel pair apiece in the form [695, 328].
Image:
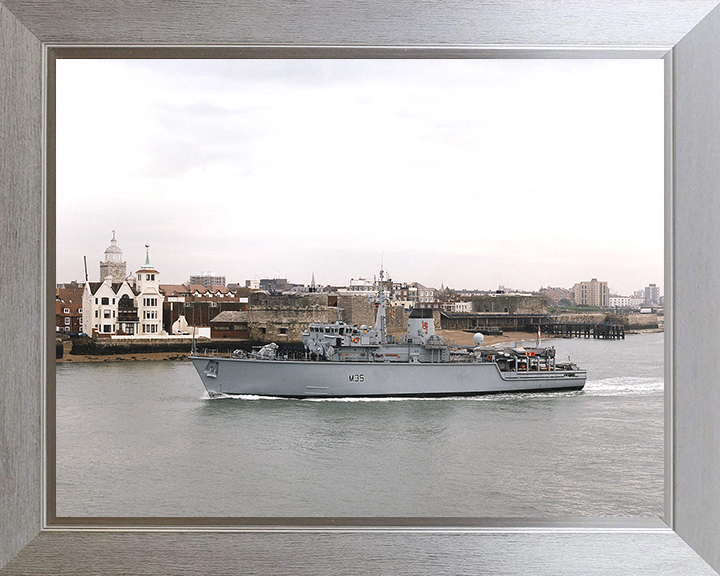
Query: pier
[584, 330]
[589, 326]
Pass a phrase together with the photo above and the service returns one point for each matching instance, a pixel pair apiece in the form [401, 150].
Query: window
[66, 310]
[96, 313]
[283, 330]
[105, 301]
[107, 328]
[106, 314]
[67, 320]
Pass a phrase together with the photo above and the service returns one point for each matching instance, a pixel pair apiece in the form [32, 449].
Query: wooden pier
[498, 323]
[567, 330]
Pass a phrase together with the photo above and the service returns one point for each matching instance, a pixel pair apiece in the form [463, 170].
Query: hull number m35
[356, 377]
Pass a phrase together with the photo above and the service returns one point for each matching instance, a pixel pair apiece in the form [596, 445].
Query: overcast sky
[463, 173]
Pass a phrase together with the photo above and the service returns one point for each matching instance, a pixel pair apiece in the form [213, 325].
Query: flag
[539, 338]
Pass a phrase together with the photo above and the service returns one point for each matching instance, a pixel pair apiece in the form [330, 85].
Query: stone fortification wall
[282, 318]
[642, 321]
[629, 321]
[358, 311]
[591, 318]
[510, 303]
[397, 320]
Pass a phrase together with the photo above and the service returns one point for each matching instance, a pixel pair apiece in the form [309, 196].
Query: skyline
[462, 173]
[369, 277]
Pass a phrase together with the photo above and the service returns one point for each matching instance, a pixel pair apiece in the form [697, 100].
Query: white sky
[466, 173]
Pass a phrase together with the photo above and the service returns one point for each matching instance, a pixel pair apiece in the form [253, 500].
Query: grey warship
[343, 360]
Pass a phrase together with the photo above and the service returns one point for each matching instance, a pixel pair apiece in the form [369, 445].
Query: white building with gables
[131, 307]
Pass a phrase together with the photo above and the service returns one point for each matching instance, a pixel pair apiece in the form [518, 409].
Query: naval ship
[342, 360]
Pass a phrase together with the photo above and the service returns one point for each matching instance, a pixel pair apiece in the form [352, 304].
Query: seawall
[629, 321]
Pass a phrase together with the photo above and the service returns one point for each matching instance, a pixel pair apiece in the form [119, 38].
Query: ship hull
[308, 379]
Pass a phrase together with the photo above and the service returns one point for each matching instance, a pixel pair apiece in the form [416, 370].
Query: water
[143, 439]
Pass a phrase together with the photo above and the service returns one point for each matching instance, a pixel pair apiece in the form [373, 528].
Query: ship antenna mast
[380, 322]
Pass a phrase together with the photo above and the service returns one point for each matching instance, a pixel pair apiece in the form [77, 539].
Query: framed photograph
[483, 174]
[685, 541]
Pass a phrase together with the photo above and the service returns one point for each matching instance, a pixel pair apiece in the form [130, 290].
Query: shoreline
[458, 337]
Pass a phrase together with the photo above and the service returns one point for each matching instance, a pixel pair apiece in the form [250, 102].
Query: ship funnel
[421, 325]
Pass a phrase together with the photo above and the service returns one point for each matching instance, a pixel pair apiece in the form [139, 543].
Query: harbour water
[143, 439]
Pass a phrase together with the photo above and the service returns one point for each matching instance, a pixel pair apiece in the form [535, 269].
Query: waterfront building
[130, 307]
[68, 309]
[593, 293]
[194, 305]
[149, 299]
[101, 314]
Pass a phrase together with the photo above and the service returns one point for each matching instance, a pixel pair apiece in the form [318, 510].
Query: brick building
[68, 309]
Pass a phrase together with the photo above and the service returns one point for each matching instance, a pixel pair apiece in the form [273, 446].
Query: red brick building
[68, 309]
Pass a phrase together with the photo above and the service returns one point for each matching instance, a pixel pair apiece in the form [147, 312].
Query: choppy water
[142, 439]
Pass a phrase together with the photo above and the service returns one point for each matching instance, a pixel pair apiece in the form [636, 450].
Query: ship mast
[380, 322]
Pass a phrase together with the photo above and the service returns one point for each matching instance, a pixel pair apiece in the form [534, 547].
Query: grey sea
[143, 439]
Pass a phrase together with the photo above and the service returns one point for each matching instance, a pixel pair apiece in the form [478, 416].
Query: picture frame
[685, 33]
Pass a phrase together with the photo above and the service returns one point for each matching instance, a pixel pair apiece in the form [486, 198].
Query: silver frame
[686, 33]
